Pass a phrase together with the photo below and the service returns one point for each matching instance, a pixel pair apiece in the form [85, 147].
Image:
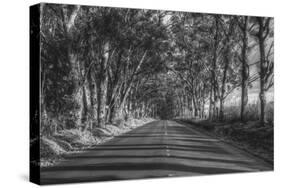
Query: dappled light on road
[158, 149]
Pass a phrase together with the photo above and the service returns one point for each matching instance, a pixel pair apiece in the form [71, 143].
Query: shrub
[49, 148]
[252, 112]
[269, 113]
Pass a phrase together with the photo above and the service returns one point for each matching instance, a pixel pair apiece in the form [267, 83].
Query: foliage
[103, 66]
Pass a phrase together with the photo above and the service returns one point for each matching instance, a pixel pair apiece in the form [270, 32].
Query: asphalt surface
[157, 149]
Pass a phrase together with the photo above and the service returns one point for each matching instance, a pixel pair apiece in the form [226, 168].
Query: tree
[100, 65]
[228, 28]
[243, 25]
[262, 32]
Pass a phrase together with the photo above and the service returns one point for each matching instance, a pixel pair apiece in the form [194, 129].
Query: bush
[119, 122]
[269, 115]
[252, 112]
[50, 149]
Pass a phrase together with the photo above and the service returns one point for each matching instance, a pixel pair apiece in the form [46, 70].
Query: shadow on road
[126, 166]
[159, 156]
[189, 148]
[134, 154]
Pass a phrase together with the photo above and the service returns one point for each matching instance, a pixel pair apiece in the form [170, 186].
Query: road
[157, 149]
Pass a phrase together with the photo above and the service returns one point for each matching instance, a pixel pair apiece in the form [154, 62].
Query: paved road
[157, 149]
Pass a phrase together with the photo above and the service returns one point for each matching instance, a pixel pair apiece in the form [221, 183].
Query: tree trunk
[245, 71]
[214, 65]
[262, 71]
[92, 109]
[84, 115]
[203, 109]
[226, 59]
[102, 83]
[211, 105]
[221, 113]
[195, 108]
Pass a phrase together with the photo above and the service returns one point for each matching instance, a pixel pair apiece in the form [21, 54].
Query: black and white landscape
[133, 93]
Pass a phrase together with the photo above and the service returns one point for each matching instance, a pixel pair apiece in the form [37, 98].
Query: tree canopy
[101, 64]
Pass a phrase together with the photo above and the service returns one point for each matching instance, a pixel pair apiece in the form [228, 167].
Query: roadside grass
[232, 113]
[247, 135]
[54, 147]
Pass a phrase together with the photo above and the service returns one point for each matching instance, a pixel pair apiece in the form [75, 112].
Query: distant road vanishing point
[157, 149]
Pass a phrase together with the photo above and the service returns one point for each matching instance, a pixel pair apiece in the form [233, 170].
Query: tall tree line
[211, 58]
[102, 64]
[95, 61]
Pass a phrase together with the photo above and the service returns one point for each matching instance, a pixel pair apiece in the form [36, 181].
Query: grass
[232, 113]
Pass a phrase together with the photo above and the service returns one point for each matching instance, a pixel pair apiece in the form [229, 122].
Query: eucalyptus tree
[243, 23]
[59, 73]
[263, 33]
[226, 60]
[145, 48]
